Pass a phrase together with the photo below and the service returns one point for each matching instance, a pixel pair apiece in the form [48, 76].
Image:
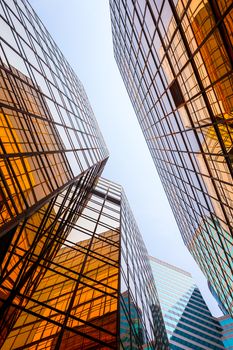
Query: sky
[82, 30]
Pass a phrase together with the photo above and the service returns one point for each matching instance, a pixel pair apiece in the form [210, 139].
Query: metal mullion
[45, 55]
[41, 202]
[27, 252]
[80, 275]
[77, 284]
[200, 84]
[39, 63]
[53, 309]
[214, 248]
[73, 330]
[171, 67]
[21, 281]
[6, 188]
[15, 183]
[96, 255]
[19, 151]
[25, 59]
[209, 110]
[28, 121]
[182, 167]
[49, 268]
[33, 245]
[11, 252]
[38, 60]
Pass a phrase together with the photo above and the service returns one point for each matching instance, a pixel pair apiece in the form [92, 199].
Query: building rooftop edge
[170, 266]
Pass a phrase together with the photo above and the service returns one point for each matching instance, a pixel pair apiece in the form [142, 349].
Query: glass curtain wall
[188, 321]
[98, 292]
[175, 58]
[51, 152]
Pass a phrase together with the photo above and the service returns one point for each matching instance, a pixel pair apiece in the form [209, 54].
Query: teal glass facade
[188, 321]
[136, 327]
[227, 324]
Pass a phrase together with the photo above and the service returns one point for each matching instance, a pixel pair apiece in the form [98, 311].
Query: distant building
[225, 321]
[227, 324]
[188, 321]
[175, 58]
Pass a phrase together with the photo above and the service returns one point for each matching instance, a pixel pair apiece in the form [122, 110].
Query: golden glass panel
[83, 287]
[29, 171]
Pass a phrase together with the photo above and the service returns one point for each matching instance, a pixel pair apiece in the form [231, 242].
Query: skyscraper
[98, 292]
[175, 58]
[188, 321]
[71, 257]
[225, 321]
[51, 152]
[227, 324]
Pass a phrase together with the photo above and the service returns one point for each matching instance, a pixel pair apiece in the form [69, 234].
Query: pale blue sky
[82, 30]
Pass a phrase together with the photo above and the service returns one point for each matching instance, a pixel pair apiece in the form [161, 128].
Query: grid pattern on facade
[188, 321]
[227, 325]
[49, 135]
[139, 301]
[51, 153]
[82, 301]
[28, 250]
[175, 58]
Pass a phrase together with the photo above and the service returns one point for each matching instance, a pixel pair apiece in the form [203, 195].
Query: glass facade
[49, 135]
[227, 324]
[175, 58]
[51, 153]
[98, 292]
[74, 268]
[188, 321]
[219, 301]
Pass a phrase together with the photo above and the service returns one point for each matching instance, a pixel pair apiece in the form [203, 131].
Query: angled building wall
[175, 58]
[227, 325]
[98, 292]
[188, 321]
[51, 153]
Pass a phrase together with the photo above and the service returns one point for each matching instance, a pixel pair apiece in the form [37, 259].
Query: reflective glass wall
[51, 152]
[188, 321]
[49, 135]
[175, 58]
[227, 325]
[98, 292]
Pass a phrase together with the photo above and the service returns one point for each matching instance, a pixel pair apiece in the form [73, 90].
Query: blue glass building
[225, 321]
[188, 321]
[131, 333]
[227, 324]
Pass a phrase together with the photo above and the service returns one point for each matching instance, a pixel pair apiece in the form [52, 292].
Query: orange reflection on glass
[10, 169]
[79, 293]
[32, 163]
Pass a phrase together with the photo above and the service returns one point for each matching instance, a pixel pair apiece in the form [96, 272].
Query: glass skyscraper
[175, 58]
[188, 321]
[51, 152]
[227, 325]
[74, 272]
[225, 321]
[98, 292]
